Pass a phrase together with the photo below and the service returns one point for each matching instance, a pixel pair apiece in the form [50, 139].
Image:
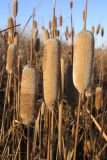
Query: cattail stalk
[60, 131]
[28, 143]
[62, 75]
[77, 127]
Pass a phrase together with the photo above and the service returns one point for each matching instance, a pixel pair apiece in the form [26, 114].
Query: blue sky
[97, 12]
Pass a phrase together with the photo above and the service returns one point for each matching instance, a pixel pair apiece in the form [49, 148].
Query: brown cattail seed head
[37, 44]
[27, 101]
[10, 25]
[82, 60]
[11, 30]
[98, 97]
[15, 8]
[60, 20]
[71, 4]
[45, 35]
[50, 26]
[102, 32]
[54, 22]
[98, 29]
[51, 64]
[34, 24]
[11, 54]
[93, 29]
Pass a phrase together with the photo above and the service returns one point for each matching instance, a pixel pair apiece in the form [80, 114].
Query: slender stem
[28, 143]
[48, 152]
[52, 135]
[77, 127]
[60, 131]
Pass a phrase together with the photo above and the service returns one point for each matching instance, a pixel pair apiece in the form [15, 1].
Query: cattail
[93, 29]
[54, 22]
[71, 4]
[98, 29]
[16, 39]
[34, 24]
[37, 44]
[60, 20]
[98, 97]
[45, 35]
[102, 32]
[11, 26]
[82, 60]
[10, 30]
[62, 74]
[35, 33]
[50, 26]
[51, 72]
[15, 8]
[27, 101]
[11, 54]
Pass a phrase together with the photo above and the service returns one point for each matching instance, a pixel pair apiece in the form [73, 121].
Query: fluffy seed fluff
[51, 62]
[11, 55]
[45, 35]
[82, 60]
[27, 101]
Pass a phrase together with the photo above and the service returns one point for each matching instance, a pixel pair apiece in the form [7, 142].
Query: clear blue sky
[97, 11]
